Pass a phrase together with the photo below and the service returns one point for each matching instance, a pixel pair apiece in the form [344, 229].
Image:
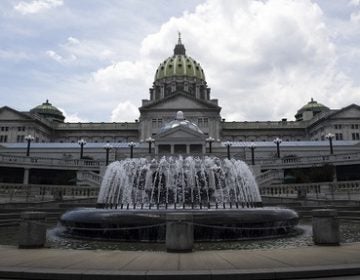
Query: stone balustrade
[32, 192]
[326, 190]
[49, 162]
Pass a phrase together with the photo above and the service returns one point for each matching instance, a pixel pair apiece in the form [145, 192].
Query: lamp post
[210, 140]
[131, 145]
[277, 141]
[82, 143]
[150, 141]
[330, 136]
[252, 148]
[29, 139]
[107, 148]
[228, 145]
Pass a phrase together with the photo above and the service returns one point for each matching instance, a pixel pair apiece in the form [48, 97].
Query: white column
[26, 176]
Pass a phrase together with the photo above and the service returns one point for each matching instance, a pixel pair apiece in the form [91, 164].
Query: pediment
[180, 102]
[180, 133]
[7, 113]
[350, 112]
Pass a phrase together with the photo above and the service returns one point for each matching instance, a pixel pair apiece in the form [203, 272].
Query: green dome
[179, 65]
[312, 106]
[48, 111]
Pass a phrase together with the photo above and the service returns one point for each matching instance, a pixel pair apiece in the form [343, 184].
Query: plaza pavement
[293, 263]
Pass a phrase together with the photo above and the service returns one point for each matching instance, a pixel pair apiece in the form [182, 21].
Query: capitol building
[180, 117]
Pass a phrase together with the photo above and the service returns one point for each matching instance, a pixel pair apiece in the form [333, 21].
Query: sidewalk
[294, 263]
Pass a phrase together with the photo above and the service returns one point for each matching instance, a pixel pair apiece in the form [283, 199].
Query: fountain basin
[149, 225]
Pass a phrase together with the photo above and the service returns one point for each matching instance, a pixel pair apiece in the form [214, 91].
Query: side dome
[49, 112]
[179, 65]
[309, 110]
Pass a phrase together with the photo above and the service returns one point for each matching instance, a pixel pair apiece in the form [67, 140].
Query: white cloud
[124, 111]
[82, 52]
[354, 3]
[54, 56]
[37, 6]
[72, 118]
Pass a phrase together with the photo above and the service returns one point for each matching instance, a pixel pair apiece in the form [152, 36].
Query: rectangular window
[203, 122]
[338, 136]
[156, 123]
[355, 136]
[354, 126]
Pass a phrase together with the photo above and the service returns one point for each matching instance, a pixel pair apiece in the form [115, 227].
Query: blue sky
[96, 59]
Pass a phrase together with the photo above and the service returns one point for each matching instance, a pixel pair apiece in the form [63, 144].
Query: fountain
[219, 198]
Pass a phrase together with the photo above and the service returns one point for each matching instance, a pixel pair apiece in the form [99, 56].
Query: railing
[94, 164]
[24, 193]
[89, 178]
[349, 190]
[268, 177]
[20, 160]
[310, 159]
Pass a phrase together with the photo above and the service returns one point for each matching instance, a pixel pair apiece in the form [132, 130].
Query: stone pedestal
[179, 232]
[325, 227]
[32, 232]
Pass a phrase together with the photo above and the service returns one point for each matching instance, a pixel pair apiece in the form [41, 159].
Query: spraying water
[178, 182]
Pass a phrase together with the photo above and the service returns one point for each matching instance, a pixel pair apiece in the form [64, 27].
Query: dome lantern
[179, 47]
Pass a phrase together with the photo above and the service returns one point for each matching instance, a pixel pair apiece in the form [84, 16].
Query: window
[354, 126]
[21, 128]
[3, 138]
[20, 138]
[156, 123]
[337, 126]
[4, 128]
[355, 136]
[338, 136]
[203, 122]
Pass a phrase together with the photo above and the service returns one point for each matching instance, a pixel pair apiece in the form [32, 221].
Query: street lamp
[252, 148]
[107, 148]
[131, 145]
[82, 143]
[330, 136]
[228, 145]
[210, 140]
[150, 141]
[277, 141]
[28, 138]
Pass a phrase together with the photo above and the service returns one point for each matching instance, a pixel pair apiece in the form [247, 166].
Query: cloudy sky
[96, 59]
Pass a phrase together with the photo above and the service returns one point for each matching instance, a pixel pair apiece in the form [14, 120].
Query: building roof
[48, 111]
[312, 106]
[179, 65]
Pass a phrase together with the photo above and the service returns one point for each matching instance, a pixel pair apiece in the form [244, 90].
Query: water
[178, 182]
